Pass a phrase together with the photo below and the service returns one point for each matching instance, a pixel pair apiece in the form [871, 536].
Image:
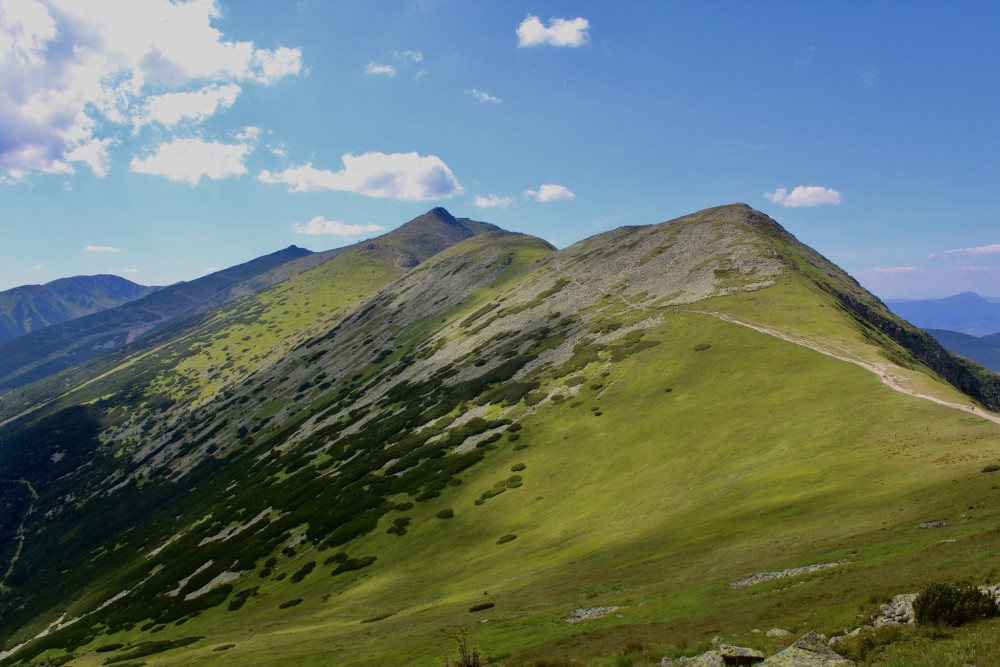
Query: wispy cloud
[803, 61]
[483, 97]
[412, 57]
[805, 196]
[895, 270]
[133, 270]
[991, 249]
[869, 77]
[550, 192]
[320, 225]
[560, 32]
[402, 176]
[90, 70]
[493, 201]
[101, 248]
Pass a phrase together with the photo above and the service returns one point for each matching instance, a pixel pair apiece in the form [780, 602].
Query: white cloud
[805, 196]
[493, 201]
[991, 249]
[37, 267]
[320, 225]
[560, 32]
[188, 160]
[101, 248]
[890, 270]
[411, 57]
[170, 109]
[75, 72]
[373, 68]
[550, 192]
[130, 271]
[402, 176]
[869, 77]
[483, 97]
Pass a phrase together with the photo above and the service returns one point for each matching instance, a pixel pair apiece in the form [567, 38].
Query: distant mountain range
[966, 313]
[33, 307]
[984, 350]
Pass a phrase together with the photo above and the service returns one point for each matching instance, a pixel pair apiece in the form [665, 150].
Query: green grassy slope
[594, 404]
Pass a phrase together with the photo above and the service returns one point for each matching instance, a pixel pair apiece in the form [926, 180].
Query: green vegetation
[954, 604]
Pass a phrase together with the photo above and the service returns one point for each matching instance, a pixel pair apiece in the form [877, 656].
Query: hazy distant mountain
[983, 350]
[967, 313]
[33, 307]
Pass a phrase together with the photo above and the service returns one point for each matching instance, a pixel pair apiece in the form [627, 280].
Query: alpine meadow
[520, 333]
[453, 428]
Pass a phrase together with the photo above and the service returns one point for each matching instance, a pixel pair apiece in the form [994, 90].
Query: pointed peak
[441, 213]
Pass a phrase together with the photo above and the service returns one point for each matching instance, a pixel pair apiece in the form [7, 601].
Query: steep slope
[636, 422]
[966, 313]
[983, 350]
[32, 307]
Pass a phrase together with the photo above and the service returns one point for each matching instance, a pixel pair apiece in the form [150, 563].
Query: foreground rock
[721, 657]
[809, 651]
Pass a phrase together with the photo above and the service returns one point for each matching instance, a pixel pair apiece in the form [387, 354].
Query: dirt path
[884, 371]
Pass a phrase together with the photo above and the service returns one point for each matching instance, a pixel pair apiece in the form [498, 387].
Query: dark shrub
[510, 537]
[290, 603]
[481, 606]
[953, 604]
[518, 467]
[446, 513]
[701, 346]
[993, 467]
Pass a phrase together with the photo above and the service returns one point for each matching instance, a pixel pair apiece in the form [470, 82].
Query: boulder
[808, 651]
[778, 633]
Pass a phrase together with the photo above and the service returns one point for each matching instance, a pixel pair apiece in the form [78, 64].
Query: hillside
[339, 468]
[32, 307]
[966, 313]
[983, 350]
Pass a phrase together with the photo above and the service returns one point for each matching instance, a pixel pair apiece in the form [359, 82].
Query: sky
[162, 140]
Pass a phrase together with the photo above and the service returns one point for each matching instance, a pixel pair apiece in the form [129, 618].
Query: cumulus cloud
[375, 69]
[493, 201]
[76, 72]
[559, 32]
[320, 225]
[805, 196]
[550, 192]
[101, 248]
[483, 97]
[189, 160]
[170, 109]
[402, 176]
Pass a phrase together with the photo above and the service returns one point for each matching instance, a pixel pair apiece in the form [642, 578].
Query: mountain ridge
[28, 308]
[291, 459]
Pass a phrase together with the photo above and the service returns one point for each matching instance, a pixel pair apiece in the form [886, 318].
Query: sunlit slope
[606, 427]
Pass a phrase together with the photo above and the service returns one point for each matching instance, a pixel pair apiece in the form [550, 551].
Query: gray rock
[808, 651]
[933, 524]
[778, 633]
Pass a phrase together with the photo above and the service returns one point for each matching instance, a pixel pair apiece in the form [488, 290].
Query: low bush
[953, 604]
[446, 513]
[518, 467]
[509, 537]
[481, 606]
[290, 603]
[993, 467]
[701, 347]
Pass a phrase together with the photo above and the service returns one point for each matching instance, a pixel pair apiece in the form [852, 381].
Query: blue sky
[161, 140]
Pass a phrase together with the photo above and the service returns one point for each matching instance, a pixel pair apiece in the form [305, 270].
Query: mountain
[983, 350]
[46, 351]
[966, 313]
[454, 424]
[32, 307]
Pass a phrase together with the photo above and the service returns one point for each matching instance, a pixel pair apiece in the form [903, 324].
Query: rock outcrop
[808, 651]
